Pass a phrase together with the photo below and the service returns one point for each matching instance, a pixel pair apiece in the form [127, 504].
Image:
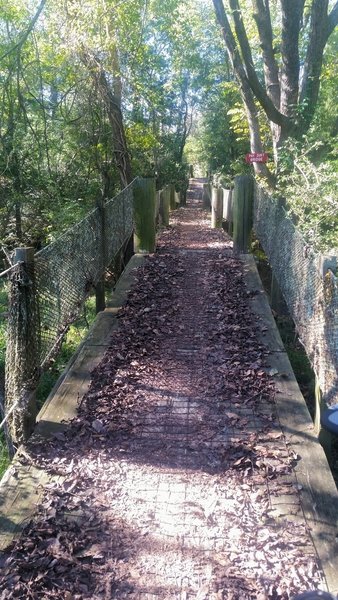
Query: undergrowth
[76, 334]
[311, 191]
[297, 356]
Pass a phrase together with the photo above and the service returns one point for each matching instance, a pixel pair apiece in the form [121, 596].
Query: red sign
[260, 157]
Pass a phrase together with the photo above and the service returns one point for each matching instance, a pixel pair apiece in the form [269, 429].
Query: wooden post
[144, 214]
[172, 196]
[227, 210]
[242, 213]
[158, 208]
[277, 301]
[165, 206]
[324, 436]
[216, 207]
[128, 250]
[206, 196]
[100, 291]
[23, 348]
[183, 197]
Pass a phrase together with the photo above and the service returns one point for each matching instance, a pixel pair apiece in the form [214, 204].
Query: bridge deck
[190, 470]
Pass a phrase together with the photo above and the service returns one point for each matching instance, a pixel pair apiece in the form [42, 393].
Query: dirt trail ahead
[174, 482]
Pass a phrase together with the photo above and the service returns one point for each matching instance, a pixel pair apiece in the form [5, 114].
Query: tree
[287, 93]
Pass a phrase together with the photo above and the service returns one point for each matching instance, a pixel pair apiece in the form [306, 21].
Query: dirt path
[175, 481]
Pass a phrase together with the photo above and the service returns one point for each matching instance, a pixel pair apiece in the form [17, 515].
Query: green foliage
[76, 334]
[311, 191]
[4, 458]
[221, 138]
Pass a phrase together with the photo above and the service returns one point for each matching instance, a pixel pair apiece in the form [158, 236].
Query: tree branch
[264, 28]
[246, 92]
[270, 109]
[26, 33]
[112, 105]
[318, 37]
[291, 23]
[332, 20]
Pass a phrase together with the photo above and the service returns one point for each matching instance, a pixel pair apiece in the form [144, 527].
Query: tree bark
[321, 27]
[112, 103]
[291, 20]
[246, 92]
[250, 74]
[263, 21]
[262, 18]
[280, 98]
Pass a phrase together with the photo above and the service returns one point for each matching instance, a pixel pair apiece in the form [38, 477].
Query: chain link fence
[309, 285]
[68, 269]
[47, 291]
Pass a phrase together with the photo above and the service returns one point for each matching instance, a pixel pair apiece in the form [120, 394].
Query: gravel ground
[174, 481]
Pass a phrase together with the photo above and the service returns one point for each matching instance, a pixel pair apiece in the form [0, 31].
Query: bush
[311, 191]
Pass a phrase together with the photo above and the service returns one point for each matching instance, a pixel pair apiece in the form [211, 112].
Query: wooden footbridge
[176, 458]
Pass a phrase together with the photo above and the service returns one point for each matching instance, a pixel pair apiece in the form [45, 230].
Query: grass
[76, 334]
[299, 361]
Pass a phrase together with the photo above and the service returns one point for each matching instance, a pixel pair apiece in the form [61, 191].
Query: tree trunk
[279, 97]
[113, 107]
[246, 92]
[291, 18]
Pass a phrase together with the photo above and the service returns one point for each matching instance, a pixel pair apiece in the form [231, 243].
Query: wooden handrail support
[242, 213]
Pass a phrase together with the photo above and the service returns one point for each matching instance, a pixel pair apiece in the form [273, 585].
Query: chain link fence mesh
[309, 288]
[68, 269]
[47, 292]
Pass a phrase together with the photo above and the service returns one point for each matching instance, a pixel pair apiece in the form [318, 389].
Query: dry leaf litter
[174, 481]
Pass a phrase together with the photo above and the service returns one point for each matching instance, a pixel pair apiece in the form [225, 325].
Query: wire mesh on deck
[310, 294]
[66, 270]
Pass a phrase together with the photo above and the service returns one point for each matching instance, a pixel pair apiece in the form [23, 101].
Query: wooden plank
[20, 491]
[268, 331]
[318, 492]
[22, 485]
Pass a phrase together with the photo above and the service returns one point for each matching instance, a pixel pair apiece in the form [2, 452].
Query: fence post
[227, 210]
[128, 250]
[100, 293]
[144, 214]
[165, 206]
[172, 196]
[22, 352]
[325, 438]
[277, 301]
[216, 208]
[183, 195]
[206, 196]
[242, 213]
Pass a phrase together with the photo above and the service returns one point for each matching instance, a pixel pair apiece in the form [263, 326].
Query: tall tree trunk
[279, 98]
[291, 20]
[319, 32]
[112, 103]
[246, 92]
